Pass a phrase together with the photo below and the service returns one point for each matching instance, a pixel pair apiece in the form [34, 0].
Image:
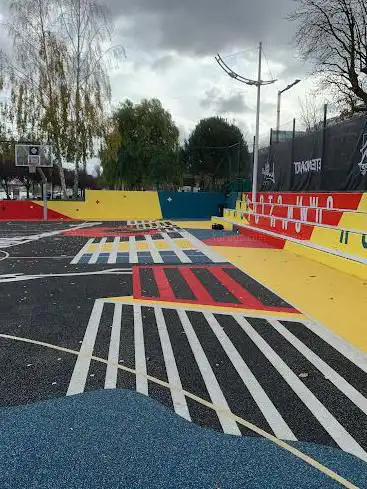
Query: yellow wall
[111, 205]
[330, 238]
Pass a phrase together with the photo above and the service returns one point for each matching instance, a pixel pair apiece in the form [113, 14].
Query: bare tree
[333, 34]
[310, 115]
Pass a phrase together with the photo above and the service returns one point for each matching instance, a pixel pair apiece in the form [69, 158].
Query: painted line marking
[339, 434]
[357, 357]
[113, 353]
[266, 406]
[216, 395]
[294, 451]
[178, 397]
[140, 361]
[133, 254]
[340, 383]
[181, 255]
[76, 259]
[81, 368]
[113, 255]
[153, 249]
[205, 249]
[99, 249]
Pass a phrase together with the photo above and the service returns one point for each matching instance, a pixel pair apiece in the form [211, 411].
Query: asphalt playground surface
[133, 355]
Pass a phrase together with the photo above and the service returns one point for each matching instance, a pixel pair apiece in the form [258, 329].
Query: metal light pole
[258, 83]
[278, 104]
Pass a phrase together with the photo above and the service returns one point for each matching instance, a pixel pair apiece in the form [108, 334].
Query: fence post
[323, 154]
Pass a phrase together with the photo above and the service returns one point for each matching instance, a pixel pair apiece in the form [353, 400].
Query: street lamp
[278, 105]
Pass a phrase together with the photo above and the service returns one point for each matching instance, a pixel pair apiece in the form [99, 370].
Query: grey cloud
[205, 26]
[223, 104]
[164, 62]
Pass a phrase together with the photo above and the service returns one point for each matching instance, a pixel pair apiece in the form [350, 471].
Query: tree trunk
[76, 181]
[62, 180]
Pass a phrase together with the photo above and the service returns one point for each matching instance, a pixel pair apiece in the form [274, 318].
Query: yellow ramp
[335, 299]
[111, 205]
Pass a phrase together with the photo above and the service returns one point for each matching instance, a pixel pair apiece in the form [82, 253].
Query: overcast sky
[170, 47]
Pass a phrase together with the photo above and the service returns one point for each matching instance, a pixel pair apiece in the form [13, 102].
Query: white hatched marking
[178, 397]
[357, 357]
[82, 252]
[229, 426]
[82, 364]
[140, 361]
[181, 255]
[113, 354]
[341, 436]
[115, 247]
[340, 383]
[214, 257]
[153, 249]
[99, 249]
[266, 406]
[133, 254]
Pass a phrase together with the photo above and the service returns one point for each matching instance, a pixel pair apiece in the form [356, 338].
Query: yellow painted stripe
[141, 245]
[280, 443]
[354, 220]
[363, 204]
[193, 224]
[331, 239]
[199, 307]
[335, 299]
[161, 244]
[184, 244]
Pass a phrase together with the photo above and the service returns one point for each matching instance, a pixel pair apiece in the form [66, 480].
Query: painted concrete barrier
[120, 205]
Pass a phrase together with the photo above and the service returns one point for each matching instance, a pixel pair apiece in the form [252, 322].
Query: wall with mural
[119, 205]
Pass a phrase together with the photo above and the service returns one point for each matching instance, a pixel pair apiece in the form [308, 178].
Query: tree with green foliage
[141, 148]
[216, 152]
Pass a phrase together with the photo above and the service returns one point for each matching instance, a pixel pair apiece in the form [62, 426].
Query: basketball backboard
[33, 155]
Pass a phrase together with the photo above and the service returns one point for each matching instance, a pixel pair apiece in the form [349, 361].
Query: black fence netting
[330, 159]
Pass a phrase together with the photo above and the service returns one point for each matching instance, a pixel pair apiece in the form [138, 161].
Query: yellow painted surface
[199, 307]
[184, 244]
[110, 205]
[335, 299]
[354, 220]
[363, 204]
[162, 244]
[141, 245]
[193, 224]
[343, 264]
[331, 239]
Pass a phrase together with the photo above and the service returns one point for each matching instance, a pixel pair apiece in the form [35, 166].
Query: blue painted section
[190, 205]
[121, 439]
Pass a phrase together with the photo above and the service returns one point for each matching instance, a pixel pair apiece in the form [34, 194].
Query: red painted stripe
[200, 292]
[164, 287]
[244, 296]
[136, 283]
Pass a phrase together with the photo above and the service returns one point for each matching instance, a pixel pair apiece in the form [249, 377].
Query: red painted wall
[26, 210]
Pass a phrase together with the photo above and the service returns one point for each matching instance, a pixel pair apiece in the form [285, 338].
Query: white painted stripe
[99, 249]
[153, 249]
[214, 257]
[115, 247]
[113, 354]
[81, 368]
[266, 406]
[357, 357]
[133, 254]
[334, 209]
[140, 361]
[228, 424]
[82, 252]
[332, 426]
[182, 256]
[329, 373]
[178, 397]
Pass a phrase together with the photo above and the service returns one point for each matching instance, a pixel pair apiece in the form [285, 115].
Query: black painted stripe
[236, 393]
[149, 287]
[126, 380]
[153, 349]
[339, 405]
[188, 370]
[261, 293]
[180, 287]
[347, 369]
[103, 338]
[216, 289]
[299, 419]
